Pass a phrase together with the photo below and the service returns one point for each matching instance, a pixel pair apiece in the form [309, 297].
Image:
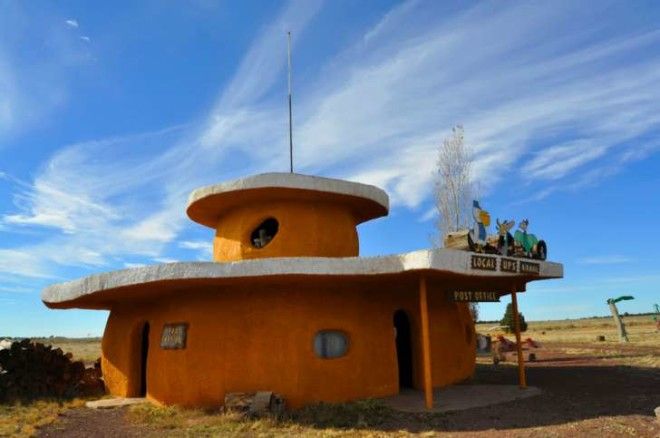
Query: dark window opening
[144, 353]
[264, 233]
[403, 349]
[330, 344]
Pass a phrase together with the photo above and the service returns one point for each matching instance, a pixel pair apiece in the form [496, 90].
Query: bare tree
[454, 190]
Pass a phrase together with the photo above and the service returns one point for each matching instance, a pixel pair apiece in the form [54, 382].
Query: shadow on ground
[570, 394]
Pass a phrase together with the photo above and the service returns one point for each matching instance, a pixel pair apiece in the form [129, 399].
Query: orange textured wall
[261, 338]
[456, 333]
[306, 228]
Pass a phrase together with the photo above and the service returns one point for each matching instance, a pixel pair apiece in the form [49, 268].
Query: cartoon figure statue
[505, 239]
[528, 243]
[477, 235]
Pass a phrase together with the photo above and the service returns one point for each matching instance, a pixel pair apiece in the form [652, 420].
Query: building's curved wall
[120, 360]
[306, 228]
[250, 339]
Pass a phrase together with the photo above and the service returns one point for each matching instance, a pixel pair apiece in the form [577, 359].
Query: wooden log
[457, 240]
[32, 370]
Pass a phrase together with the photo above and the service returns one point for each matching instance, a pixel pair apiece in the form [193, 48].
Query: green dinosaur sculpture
[621, 298]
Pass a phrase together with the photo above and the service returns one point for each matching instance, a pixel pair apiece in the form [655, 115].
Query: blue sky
[111, 113]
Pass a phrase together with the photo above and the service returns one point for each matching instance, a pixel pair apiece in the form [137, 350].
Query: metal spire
[290, 114]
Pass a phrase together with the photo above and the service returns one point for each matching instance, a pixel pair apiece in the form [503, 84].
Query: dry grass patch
[360, 418]
[23, 419]
[641, 331]
[85, 349]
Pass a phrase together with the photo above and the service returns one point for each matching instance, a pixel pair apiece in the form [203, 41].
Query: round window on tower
[264, 233]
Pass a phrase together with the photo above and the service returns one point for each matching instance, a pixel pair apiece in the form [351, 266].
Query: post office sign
[475, 296]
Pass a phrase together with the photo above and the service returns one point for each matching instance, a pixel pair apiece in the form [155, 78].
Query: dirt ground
[84, 423]
[588, 390]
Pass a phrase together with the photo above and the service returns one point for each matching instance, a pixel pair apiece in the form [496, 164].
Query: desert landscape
[589, 388]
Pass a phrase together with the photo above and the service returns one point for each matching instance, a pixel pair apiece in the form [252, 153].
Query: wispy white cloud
[94, 204]
[126, 195]
[387, 102]
[612, 259]
[204, 248]
[196, 244]
[35, 81]
[515, 75]
[384, 112]
[164, 260]
[237, 112]
[604, 284]
[8, 94]
[85, 38]
[16, 289]
[556, 161]
[431, 213]
[22, 263]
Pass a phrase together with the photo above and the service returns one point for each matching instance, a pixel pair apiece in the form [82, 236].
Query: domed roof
[207, 204]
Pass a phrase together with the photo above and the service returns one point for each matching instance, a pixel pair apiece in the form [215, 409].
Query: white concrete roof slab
[440, 261]
[375, 201]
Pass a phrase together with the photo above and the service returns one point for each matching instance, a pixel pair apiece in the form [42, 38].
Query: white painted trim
[444, 260]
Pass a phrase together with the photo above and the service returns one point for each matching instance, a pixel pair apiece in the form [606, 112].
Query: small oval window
[264, 233]
[330, 344]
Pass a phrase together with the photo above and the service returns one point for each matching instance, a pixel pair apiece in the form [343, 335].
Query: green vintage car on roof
[528, 244]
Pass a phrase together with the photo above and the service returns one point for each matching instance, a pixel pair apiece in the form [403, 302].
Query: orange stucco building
[287, 305]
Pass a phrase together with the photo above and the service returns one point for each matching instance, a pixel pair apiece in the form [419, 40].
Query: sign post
[522, 379]
[426, 343]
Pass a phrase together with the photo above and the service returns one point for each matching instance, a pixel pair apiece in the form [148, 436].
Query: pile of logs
[30, 370]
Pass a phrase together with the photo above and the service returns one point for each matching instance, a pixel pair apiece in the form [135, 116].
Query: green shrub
[509, 324]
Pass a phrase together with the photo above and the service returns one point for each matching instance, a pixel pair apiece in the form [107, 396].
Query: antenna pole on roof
[290, 116]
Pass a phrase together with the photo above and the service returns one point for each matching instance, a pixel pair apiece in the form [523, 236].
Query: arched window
[264, 233]
[330, 344]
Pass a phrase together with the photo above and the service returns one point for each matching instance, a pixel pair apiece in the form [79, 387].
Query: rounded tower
[285, 215]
